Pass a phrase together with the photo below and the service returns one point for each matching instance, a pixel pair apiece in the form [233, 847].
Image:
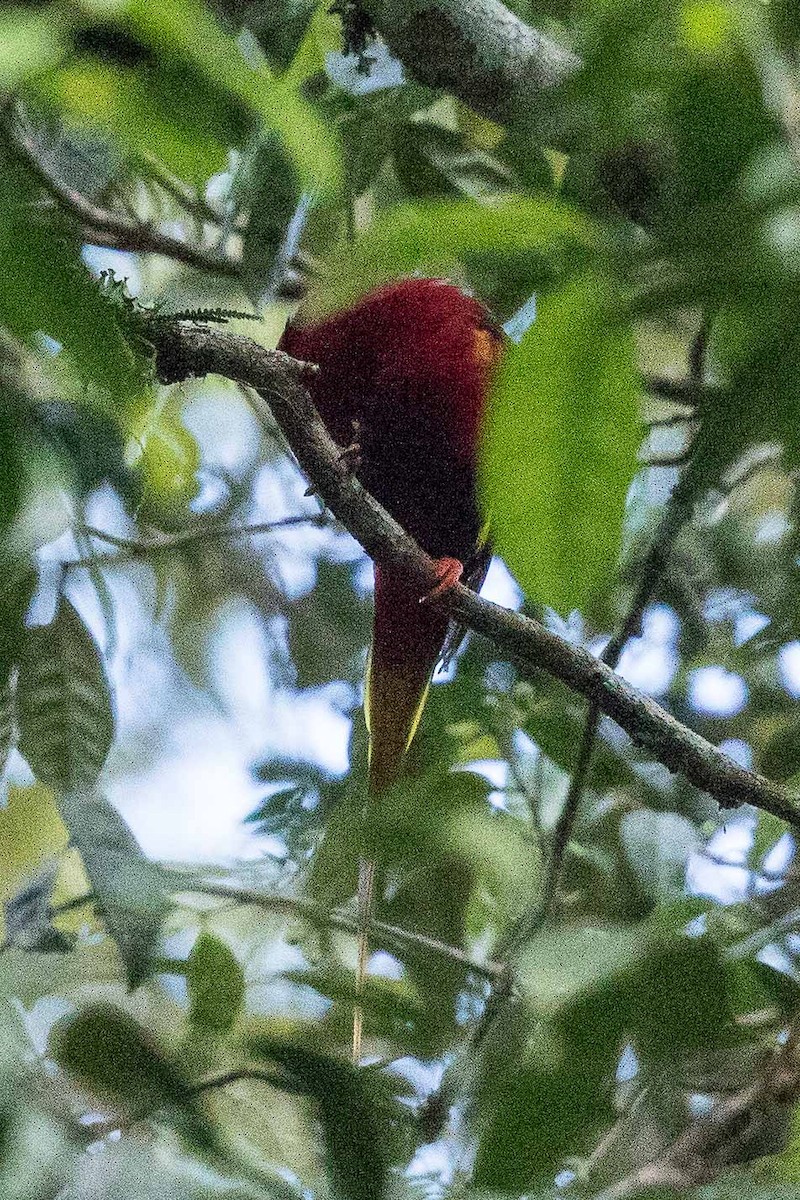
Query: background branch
[323, 918]
[477, 49]
[736, 1130]
[102, 227]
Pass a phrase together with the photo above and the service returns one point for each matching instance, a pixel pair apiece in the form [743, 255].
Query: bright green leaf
[189, 31]
[215, 982]
[560, 445]
[30, 43]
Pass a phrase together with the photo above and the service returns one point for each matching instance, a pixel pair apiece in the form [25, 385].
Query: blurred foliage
[182, 1029]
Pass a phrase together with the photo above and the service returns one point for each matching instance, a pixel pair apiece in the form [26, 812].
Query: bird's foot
[448, 573]
[350, 456]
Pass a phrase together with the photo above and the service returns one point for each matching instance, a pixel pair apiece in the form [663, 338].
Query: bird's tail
[407, 642]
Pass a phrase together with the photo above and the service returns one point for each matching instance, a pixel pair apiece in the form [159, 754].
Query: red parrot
[405, 373]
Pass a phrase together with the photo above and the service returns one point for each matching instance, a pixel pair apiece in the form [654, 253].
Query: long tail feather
[406, 645]
[366, 888]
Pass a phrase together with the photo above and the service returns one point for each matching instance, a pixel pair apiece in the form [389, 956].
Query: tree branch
[477, 49]
[184, 350]
[736, 1130]
[324, 919]
[101, 227]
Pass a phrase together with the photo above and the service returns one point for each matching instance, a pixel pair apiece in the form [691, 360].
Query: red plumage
[406, 372]
[407, 367]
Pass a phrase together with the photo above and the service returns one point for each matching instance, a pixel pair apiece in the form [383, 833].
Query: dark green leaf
[45, 286]
[677, 1001]
[329, 628]
[130, 891]
[433, 161]
[353, 1113]
[65, 715]
[116, 1059]
[215, 982]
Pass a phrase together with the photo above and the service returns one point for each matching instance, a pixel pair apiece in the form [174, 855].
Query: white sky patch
[717, 692]
[789, 667]
[500, 586]
[726, 885]
[740, 751]
[747, 625]
[778, 858]
[123, 264]
[221, 418]
[495, 771]
[649, 662]
[191, 805]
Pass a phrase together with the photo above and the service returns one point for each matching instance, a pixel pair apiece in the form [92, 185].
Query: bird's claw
[448, 573]
[350, 457]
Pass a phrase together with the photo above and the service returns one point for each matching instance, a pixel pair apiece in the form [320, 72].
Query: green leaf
[392, 1009]
[65, 715]
[45, 286]
[354, 1114]
[189, 31]
[130, 891]
[541, 1117]
[561, 966]
[28, 919]
[329, 628]
[431, 160]
[431, 237]
[116, 1059]
[30, 43]
[215, 982]
[678, 1002]
[564, 415]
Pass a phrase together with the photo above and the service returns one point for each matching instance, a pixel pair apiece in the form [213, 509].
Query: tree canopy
[584, 979]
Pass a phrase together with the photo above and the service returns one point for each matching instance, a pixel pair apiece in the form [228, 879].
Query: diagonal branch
[314, 914]
[733, 1133]
[184, 350]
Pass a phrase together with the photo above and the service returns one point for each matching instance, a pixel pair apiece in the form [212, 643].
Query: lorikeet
[405, 373]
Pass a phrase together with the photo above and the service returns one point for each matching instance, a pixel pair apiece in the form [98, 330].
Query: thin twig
[133, 548]
[101, 227]
[316, 915]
